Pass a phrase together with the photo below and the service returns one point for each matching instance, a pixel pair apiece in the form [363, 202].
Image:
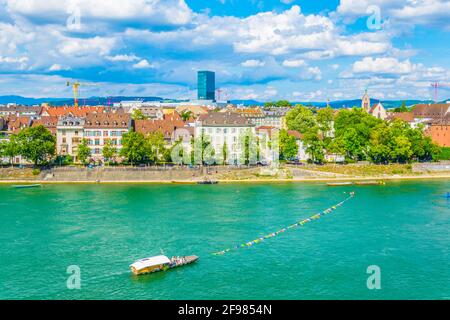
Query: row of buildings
[434, 117]
[97, 124]
[100, 124]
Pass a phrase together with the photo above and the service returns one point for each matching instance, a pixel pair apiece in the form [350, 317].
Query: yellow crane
[75, 86]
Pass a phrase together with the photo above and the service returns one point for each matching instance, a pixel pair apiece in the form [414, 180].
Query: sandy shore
[268, 180]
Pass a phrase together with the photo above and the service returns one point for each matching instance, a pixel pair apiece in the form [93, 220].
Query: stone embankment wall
[111, 174]
[443, 166]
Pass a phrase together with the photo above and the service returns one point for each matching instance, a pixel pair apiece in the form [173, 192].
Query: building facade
[378, 111]
[224, 130]
[365, 102]
[69, 134]
[99, 128]
[206, 85]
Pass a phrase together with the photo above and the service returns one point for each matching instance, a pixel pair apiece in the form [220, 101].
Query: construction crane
[436, 87]
[75, 86]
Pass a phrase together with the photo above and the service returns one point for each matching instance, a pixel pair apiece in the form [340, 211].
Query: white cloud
[383, 66]
[143, 64]
[270, 33]
[413, 12]
[58, 67]
[122, 58]
[151, 12]
[253, 63]
[294, 63]
[82, 47]
[315, 72]
[41, 86]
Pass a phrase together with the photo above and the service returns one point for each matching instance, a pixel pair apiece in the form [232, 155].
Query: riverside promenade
[186, 174]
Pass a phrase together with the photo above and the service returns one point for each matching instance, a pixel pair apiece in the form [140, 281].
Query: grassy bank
[329, 172]
[362, 170]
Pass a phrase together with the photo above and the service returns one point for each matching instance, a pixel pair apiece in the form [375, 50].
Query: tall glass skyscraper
[206, 85]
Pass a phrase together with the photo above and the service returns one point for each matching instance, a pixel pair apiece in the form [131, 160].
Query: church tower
[365, 103]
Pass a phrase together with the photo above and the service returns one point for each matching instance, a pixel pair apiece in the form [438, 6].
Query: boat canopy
[150, 262]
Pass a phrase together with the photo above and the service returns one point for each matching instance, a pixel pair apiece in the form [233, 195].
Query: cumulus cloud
[143, 64]
[122, 58]
[270, 33]
[423, 12]
[252, 63]
[294, 63]
[383, 66]
[149, 12]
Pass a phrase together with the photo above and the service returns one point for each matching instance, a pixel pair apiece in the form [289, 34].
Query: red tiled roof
[295, 134]
[15, 124]
[48, 122]
[78, 112]
[405, 116]
[166, 126]
[108, 120]
[436, 110]
[223, 119]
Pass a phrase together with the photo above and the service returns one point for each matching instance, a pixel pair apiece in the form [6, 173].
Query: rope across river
[295, 225]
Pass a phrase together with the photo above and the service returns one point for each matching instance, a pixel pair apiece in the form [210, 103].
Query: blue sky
[300, 50]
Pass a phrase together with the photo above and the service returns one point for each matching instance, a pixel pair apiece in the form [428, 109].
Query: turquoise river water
[402, 227]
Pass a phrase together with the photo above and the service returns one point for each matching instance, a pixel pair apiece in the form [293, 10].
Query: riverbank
[187, 175]
[194, 182]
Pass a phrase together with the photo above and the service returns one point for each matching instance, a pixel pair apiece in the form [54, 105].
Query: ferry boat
[160, 263]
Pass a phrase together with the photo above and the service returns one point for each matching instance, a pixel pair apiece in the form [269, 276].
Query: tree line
[359, 136]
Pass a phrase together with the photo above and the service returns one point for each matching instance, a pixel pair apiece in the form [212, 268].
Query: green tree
[379, 150]
[186, 115]
[84, 152]
[134, 147]
[36, 144]
[335, 146]
[301, 119]
[224, 153]
[202, 150]
[282, 103]
[249, 145]
[288, 146]
[157, 150]
[354, 127]
[10, 148]
[325, 119]
[109, 151]
[314, 147]
[138, 115]
[401, 149]
[402, 108]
